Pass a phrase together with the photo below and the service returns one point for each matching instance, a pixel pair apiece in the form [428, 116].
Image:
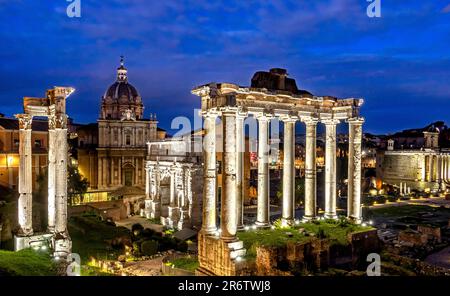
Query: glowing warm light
[238, 259]
[43, 248]
[297, 222]
[10, 160]
[254, 227]
[364, 224]
[56, 258]
[246, 228]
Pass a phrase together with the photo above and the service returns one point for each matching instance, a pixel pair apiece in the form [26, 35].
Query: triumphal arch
[271, 95]
[53, 107]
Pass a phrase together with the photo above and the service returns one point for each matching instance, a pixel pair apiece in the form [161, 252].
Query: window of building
[128, 139]
[16, 142]
[38, 143]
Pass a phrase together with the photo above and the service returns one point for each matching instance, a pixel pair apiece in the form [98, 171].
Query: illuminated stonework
[173, 184]
[272, 95]
[54, 108]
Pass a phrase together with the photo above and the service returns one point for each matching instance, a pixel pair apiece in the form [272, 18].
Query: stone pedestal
[33, 241]
[184, 221]
[155, 209]
[218, 257]
[148, 208]
[173, 217]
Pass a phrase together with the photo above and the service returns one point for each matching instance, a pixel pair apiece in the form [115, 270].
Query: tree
[77, 185]
[299, 191]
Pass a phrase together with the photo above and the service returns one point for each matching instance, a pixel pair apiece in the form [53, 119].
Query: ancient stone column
[354, 169]
[148, 183]
[430, 168]
[330, 168]
[51, 175]
[310, 169]
[229, 220]
[288, 210]
[25, 177]
[240, 149]
[210, 173]
[173, 178]
[263, 215]
[61, 174]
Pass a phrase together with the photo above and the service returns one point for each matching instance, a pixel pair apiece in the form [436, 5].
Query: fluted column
[240, 149]
[263, 215]
[61, 174]
[25, 178]
[430, 168]
[229, 199]
[288, 210]
[310, 169]
[330, 168]
[354, 169]
[148, 183]
[51, 176]
[209, 173]
[172, 186]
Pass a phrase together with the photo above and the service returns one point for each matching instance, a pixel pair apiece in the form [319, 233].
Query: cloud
[446, 9]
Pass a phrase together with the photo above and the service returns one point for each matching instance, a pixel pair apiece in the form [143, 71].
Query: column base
[287, 221]
[306, 219]
[355, 220]
[262, 224]
[240, 227]
[331, 216]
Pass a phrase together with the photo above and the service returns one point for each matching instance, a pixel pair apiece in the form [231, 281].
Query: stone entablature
[232, 103]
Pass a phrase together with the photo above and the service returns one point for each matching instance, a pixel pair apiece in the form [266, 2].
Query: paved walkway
[441, 258]
[141, 220]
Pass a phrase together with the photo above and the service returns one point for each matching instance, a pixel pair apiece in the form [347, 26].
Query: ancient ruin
[174, 183]
[272, 94]
[53, 106]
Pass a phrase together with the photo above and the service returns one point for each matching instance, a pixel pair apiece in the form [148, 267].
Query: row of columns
[57, 174]
[232, 198]
[436, 168]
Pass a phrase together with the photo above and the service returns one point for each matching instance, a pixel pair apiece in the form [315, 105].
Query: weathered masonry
[53, 106]
[272, 94]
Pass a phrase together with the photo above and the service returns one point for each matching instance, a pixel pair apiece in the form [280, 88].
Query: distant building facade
[112, 152]
[426, 168]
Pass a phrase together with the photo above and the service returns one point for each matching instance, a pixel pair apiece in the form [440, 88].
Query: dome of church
[121, 97]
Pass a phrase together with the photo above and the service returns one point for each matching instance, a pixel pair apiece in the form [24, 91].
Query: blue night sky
[399, 63]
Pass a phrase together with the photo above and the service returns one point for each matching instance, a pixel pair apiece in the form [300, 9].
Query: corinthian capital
[356, 120]
[57, 121]
[309, 120]
[25, 121]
